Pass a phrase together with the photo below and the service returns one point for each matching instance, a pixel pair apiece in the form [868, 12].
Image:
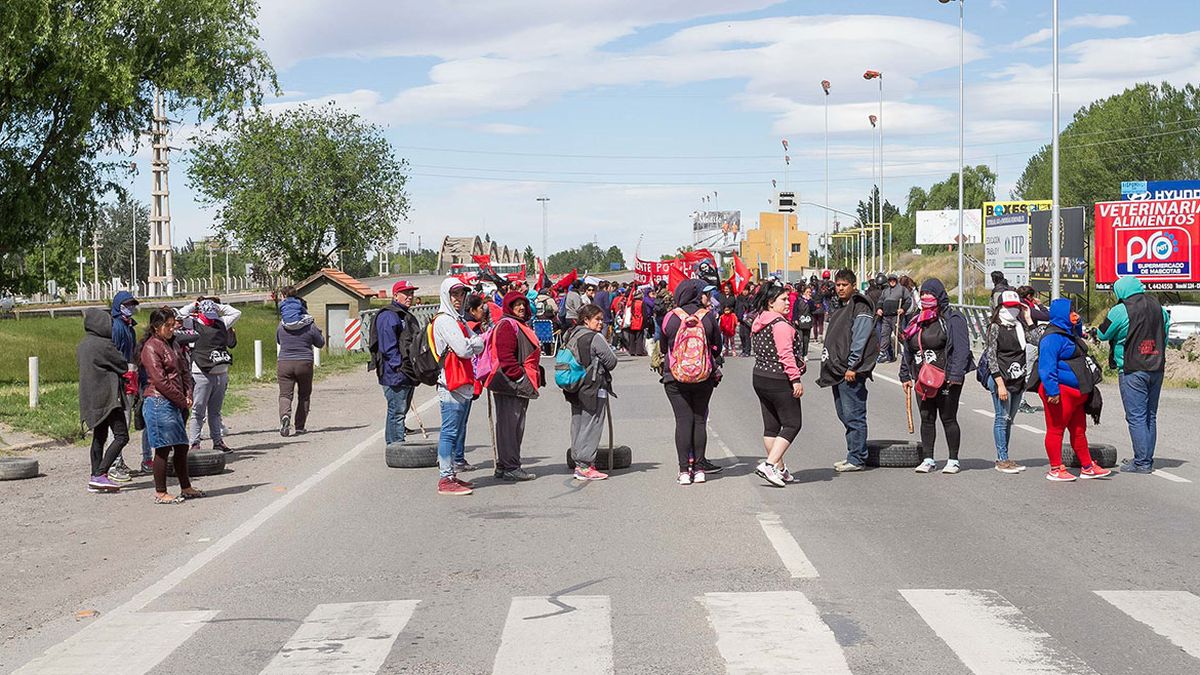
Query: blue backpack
[569, 374]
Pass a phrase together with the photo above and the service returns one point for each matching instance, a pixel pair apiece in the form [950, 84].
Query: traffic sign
[786, 203]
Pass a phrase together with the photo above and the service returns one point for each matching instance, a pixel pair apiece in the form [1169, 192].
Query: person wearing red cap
[393, 330]
[1004, 353]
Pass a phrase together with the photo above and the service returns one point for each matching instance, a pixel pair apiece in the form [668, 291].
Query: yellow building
[764, 244]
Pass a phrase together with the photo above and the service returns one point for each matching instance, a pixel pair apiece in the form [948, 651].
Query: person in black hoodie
[102, 368]
[689, 400]
[937, 338]
[850, 350]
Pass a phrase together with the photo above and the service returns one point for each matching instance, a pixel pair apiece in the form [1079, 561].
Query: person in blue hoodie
[124, 306]
[1136, 329]
[1065, 381]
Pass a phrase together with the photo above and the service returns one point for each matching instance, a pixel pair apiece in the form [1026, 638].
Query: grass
[54, 342]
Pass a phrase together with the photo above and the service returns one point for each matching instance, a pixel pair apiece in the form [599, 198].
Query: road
[360, 568]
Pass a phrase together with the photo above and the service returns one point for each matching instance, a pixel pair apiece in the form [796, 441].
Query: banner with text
[1006, 247]
[1158, 241]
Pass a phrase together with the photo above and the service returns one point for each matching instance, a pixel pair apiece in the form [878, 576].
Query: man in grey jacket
[573, 302]
[891, 305]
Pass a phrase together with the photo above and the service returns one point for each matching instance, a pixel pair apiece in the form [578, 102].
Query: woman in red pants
[1066, 381]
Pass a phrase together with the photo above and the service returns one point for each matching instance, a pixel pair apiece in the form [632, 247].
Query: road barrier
[258, 359]
[33, 382]
[354, 335]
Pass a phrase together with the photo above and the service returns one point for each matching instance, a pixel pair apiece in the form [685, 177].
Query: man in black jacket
[850, 350]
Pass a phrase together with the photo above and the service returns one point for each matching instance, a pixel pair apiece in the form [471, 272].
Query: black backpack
[422, 363]
[410, 328]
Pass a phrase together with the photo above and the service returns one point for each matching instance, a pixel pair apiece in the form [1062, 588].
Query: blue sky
[626, 112]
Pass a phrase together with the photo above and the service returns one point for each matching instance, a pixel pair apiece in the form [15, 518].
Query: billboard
[1005, 208]
[1073, 264]
[941, 227]
[1156, 240]
[1006, 247]
[1137, 190]
[716, 230]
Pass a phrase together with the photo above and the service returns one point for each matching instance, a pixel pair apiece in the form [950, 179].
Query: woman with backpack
[589, 395]
[454, 344]
[1004, 359]
[1066, 377]
[777, 373]
[691, 348]
[937, 356]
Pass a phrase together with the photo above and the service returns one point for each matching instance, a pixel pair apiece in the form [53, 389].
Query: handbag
[930, 378]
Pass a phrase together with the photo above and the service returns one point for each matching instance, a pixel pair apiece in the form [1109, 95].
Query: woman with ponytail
[777, 372]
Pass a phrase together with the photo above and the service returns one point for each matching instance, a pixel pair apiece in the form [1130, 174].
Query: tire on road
[412, 454]
[201, 463]
[893, 454]
[622, 458]
[18, 468]
[1102, 453]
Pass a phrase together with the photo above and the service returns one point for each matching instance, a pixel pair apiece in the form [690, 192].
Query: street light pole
[825, 86]
[1055, 224]
[545, 230]
[961, 134]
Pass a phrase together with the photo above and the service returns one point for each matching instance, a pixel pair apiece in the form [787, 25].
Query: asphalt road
[361, 568]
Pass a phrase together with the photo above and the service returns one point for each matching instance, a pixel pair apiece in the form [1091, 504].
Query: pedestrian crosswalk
[783, 631]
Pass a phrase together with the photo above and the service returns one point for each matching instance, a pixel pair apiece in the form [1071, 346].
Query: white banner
[1006, 248]
[941, 227]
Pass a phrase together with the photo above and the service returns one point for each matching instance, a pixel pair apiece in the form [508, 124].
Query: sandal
[192, 493]
[168, 499]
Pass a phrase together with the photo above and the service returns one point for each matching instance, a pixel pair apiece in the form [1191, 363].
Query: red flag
[565, 282]
[676, 274]
[740, 276]
[484, 261]
[543, 281]
[693, 257]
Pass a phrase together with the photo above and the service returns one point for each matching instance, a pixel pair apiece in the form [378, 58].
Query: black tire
[201, 463]
[412, 454]
[1102, 453]
[893, 454]
[622, 458]
[18, 468]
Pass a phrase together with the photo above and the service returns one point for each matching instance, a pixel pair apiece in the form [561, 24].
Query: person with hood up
[124, 337]
[516, 380]
[850, 351]
[392, 324]
[213, 322]
[1005, 354]
[589, 405]
[455, 344]
[690, 400]
[777, 380]
[296, 336]
[1136, 328]
[1066, 378]
[168, 397]
[102, 388]
[937, 342]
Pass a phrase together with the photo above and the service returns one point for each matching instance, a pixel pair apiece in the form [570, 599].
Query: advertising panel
[716, 230]
[1073, 264]
[1155, 240]
[1137, 190]
[1005, 208]
[1006, 247]
[941, 226]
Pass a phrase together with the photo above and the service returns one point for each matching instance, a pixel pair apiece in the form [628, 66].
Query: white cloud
[1097, 21]
[504, 129]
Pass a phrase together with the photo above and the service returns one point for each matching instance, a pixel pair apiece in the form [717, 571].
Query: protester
[824, 296]
[1136, 330]
[804, 320]
[103, 387]
[1066, 380]
[851, 349]
[728, 324]
[167, 398]
[937, 356]
[589, 404]
[1039, 317]
[1004, 354]
[691, 349]
[395, 328]
[210, 356]
[776, 380]
[664, 301]
[888, 313]
[296, 335]
[999, 285]
[124, 306]
[516, 380]
[742, 306]
[573, 302]
[633, 325]
[603, 300]
[456, 387]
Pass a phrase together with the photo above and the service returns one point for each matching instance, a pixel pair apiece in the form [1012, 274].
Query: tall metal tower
[162, 274]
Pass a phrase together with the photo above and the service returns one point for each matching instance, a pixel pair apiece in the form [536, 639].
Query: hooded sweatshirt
[101, 366]
[775, 344]
[123, 335]
[1056, 349]
[946, 339]
[1133, 321]
[512, 352]
[450, 334]
[687, 297]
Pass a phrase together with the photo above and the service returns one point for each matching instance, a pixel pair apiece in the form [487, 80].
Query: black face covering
[688, 292]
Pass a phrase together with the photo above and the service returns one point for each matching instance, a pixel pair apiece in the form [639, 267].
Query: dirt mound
[1183, 364]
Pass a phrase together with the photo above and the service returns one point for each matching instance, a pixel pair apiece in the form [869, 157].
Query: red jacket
[729, 324]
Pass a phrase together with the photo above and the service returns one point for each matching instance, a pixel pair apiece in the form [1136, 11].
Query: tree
[589, 257]
[115, 232]
[296, 188]
[77, 80]
[530, 260]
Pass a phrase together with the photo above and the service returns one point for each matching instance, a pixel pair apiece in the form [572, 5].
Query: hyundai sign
[1160, 189]
[1155, 240]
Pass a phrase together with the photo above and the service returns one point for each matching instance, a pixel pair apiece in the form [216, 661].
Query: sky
[626, 114]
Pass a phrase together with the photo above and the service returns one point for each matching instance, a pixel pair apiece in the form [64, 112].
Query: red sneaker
[449, 486]
[589, 473]
[464, 483]
[1095, 471]
[1060, 474]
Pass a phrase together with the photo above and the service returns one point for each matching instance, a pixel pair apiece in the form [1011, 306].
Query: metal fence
[184, 286]
[978, 317]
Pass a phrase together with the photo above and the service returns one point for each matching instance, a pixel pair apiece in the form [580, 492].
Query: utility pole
[545, 229]
[162, 273]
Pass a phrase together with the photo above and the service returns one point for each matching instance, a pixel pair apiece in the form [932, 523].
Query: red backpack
[690, 361]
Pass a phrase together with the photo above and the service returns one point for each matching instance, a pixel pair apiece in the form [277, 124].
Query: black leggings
[781, 412]
[944, 405]
[181, 468]
[805, 335]
[689, 402]
[102, 460]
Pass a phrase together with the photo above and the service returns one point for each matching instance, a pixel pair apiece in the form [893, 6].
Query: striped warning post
[354, 334]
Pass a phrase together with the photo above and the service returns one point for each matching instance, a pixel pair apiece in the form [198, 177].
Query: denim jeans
[1139, 396]
[453, 435]
[1005, 413]
[460, 448]
[208, 396]
[850, 401]
[399, 397]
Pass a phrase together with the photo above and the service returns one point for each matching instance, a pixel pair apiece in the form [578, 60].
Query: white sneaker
[769, 473]
[685, 478]
[927, 466]
[697, 476]
[787, 475]
[951, 466]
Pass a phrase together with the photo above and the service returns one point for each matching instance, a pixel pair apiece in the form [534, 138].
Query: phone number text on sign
[1154, 240]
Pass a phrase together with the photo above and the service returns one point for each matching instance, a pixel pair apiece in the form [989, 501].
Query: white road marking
[352, 637]
[721, 444]
[120, 643]
[885, 378]
[1169, 476]
[557, 634]
[1174, 615]
[774, 632]
[985, 413]
[1028, 428]
[786, 547]
[990, 635]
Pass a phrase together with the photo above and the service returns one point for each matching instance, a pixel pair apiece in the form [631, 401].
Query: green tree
[118, 226]
[530, 260]
[77, 81]
[296, 188]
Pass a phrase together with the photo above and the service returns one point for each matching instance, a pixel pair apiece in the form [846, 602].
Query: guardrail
[978, 317]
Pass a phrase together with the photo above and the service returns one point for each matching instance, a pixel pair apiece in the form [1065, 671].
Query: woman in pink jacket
[777, 374]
